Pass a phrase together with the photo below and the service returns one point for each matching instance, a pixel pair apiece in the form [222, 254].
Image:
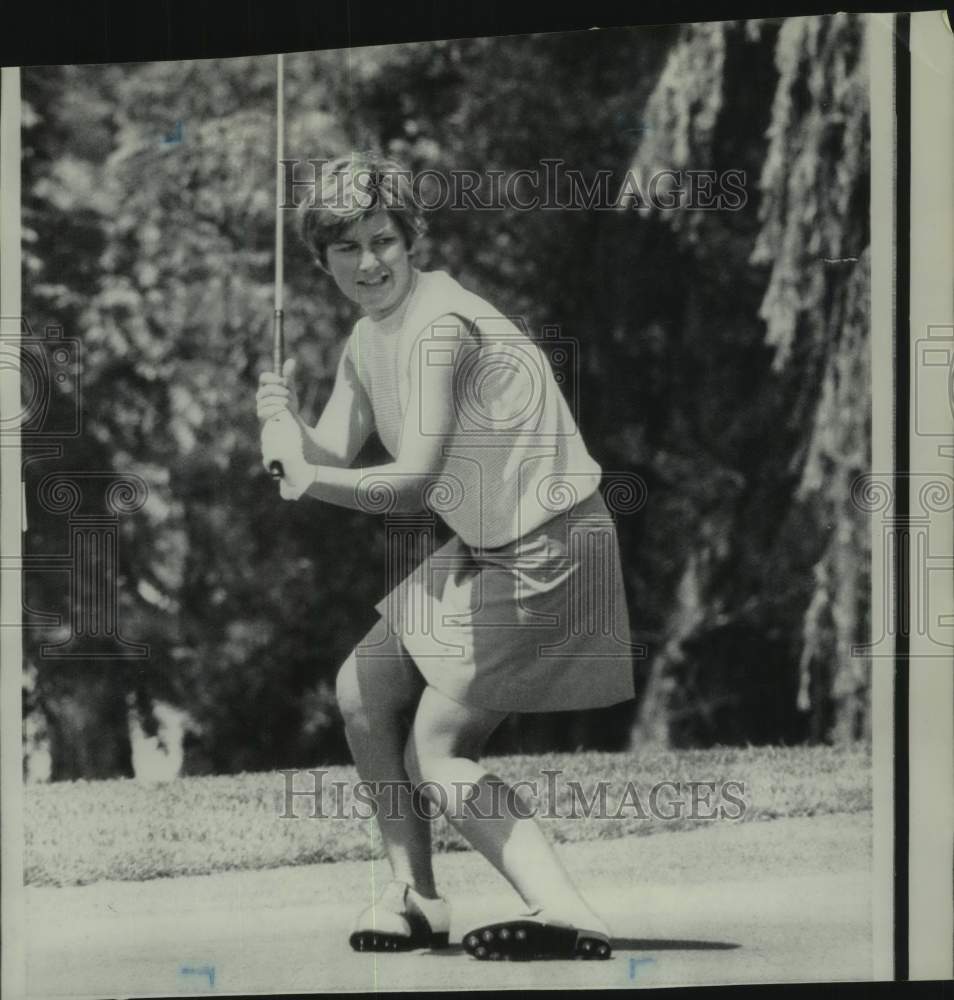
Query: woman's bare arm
[429, 422]
[346, 421]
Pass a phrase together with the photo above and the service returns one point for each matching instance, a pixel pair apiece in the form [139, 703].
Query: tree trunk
[89, 728]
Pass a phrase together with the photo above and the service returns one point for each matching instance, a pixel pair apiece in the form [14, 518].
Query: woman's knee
[445, 730]
[439, 781]
[430, 762]
[377, 678]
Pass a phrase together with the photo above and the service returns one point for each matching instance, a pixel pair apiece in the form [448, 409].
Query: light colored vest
[515, 458]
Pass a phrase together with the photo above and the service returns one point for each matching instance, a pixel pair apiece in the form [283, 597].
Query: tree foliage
[803, 581]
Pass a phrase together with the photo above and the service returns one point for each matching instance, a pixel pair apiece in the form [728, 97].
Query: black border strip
[105, 31]
[902, 459]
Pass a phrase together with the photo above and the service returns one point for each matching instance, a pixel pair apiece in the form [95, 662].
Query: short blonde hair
[352, 187]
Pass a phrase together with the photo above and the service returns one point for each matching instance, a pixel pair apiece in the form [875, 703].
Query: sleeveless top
[515, 457]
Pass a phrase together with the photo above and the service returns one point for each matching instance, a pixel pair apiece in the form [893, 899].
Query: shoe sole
[379, 941]
[516, 940]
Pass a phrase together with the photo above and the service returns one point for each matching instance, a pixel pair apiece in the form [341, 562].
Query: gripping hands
[281, 432]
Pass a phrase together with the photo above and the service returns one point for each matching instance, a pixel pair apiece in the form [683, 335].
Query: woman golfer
[497, 620]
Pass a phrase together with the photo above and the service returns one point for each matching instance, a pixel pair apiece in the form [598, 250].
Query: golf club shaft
[278, 352]
[278, 328]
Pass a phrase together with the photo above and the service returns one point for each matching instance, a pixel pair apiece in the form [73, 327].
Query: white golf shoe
[401, 920]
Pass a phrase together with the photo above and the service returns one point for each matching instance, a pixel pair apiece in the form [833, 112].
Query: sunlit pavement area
[780, 901]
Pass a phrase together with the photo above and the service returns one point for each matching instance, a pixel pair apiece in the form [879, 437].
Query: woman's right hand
[277, 392]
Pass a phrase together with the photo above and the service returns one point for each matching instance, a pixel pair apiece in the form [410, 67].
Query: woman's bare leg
[377, 688]
[446, 740]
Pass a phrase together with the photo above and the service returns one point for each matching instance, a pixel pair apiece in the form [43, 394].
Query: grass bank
[81, 832]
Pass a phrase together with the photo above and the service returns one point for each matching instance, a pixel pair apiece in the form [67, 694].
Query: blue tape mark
[199, 970]
[635, 963]
[174, 137]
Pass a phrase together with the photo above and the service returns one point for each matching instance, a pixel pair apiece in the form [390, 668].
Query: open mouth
[373, 283]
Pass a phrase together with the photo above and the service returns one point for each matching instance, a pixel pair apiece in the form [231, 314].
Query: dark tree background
[723, 358]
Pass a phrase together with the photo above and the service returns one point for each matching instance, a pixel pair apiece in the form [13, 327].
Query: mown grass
[82, 832]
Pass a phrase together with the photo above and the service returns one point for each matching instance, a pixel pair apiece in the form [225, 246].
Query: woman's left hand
[277, 392]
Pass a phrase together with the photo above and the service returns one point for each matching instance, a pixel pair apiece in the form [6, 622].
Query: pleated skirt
[539, 625]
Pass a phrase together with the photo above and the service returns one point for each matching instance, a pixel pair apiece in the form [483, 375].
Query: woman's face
[371, 265]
